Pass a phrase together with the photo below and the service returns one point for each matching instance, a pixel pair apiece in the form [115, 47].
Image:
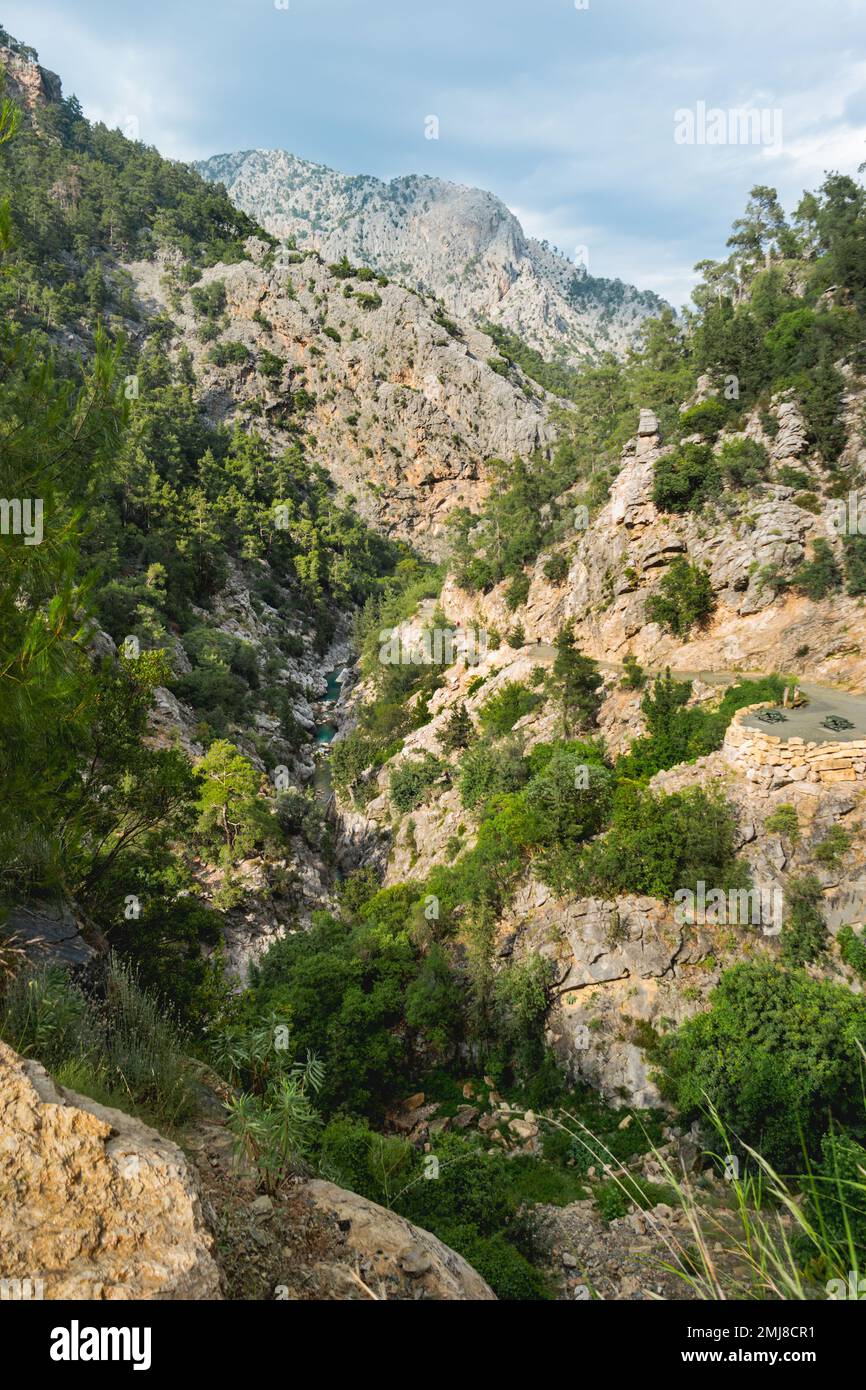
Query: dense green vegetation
[150, 510]
[777, 1055]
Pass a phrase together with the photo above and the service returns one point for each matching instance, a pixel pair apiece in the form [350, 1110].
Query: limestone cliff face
[400, 408]
[30, 86]
[622, 966]
[461, 244]
[621, 558]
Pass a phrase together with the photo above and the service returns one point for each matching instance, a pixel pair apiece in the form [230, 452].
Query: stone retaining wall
[772, 761]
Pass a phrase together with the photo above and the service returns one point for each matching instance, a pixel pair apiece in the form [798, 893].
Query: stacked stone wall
[773, 761]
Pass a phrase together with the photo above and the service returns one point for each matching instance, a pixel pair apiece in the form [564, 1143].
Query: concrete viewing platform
[800, 749]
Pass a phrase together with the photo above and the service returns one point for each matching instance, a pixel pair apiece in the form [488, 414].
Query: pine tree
[579, 682]
[459, 731]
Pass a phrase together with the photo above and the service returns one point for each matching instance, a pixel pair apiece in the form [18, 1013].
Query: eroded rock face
[615, 966]
[401, 408]
[620, 559]
[30, 86]
[463, 244]
[93, 1203]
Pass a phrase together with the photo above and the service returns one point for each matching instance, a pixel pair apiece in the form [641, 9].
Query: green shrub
[459, 731]
[676, 734]
[777, 1055]
[577, 682]
[506, 1269]
[341, 269]
[517, 592]
[839, 1187]
[784, 821]
[173, 947]
[852, 949]
[271, 366]
[343, 986]
[685, 599]
[708, 418]
[556, 567]
[615, 1197]
[793, 477]
[274, 1132]
[821, 396]
[804, 935]
[658, 844]
[357, 888]
[209, 300]
[229, 354]
[358, 754]
[820, 576]
[491, 767]
[434, 1005]
[743, 462]
[570, 796]
[633, 674]
[685, 478]
[411, 779]
[854, 557]
[501, 711]
[472, 1206]
[833, 847]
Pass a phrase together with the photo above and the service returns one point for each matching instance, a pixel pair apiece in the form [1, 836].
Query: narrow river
[324, 734]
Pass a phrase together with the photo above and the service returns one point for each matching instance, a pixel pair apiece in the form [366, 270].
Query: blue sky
[567, 113]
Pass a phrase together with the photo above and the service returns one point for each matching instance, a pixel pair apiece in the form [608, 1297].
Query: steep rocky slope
[628, 965]
[399, 406]
[350, 377]
[96, 1205]
[460, 244]
[621, 557]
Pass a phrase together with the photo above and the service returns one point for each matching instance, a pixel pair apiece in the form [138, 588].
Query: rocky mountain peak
[29, 86]
[461, 244]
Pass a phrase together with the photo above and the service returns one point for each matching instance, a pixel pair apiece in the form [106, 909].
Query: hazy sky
[567, 113]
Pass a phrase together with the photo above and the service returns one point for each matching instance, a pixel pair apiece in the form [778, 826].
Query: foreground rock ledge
[395, 1259]
[92, 1202]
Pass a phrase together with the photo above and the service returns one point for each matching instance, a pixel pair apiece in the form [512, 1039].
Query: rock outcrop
[393, 1258]
[750, 554]
[401, 407]
[30, 86]
[48, 933]
[461, 244]
[93, 1203]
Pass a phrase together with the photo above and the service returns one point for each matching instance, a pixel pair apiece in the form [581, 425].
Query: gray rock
[462, 243]
[49, 934]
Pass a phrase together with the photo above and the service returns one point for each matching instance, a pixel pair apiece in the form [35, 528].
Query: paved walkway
[804, 722]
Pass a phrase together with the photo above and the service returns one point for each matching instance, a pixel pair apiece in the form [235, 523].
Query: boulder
[393, 1258]
[93, 1203]
[48, 934]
